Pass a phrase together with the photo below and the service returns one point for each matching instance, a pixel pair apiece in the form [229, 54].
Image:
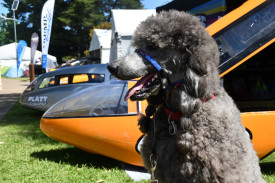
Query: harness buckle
[172, 128]
[172, 125]
[153, 161]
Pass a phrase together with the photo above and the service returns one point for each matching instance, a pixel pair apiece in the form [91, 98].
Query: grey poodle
[195, 132]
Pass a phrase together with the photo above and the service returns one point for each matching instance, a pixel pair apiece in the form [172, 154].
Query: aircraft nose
[113, 68]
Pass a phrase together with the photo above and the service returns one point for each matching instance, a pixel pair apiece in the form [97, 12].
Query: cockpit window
[97, 78]
[80, 78]
[106, 99]
[64, 80]
[245, 35]
[71, 79]
[31, 85]
[47, 82]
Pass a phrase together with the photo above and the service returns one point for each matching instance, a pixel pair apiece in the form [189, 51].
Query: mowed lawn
[27, 155]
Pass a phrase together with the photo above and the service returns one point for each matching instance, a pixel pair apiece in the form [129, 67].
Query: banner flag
[46, 26]
[20, 52]
[34, 43]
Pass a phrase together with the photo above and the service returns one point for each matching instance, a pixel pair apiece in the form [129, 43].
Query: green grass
[27, 155]
[268, 168]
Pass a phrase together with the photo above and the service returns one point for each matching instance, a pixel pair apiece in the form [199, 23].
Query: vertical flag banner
[34, 43]
[20, 52]
[46, 26]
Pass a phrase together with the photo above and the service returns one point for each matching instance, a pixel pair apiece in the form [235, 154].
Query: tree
[3, 31]
[72, 22]
[119, 4]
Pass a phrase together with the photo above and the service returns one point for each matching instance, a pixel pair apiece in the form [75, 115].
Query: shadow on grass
[74, 156]
[268, 168]
[268, 164]
[6, 102]
[19, 115]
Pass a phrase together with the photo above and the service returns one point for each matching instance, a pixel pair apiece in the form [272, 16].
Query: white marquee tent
[8, 57]
[101, 42]
[124, 23]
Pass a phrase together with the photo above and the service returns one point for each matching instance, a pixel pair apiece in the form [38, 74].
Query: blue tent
[12, 72]
[4, 70]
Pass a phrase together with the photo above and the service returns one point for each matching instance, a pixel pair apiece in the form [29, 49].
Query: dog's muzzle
[164, 80]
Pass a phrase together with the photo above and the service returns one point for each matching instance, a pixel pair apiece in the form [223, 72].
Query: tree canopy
[72, 22]
[4, 38]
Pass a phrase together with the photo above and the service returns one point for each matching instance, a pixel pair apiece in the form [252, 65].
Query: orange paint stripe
[232, 16]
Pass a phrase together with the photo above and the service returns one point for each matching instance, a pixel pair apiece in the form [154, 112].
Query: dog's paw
[144, 123]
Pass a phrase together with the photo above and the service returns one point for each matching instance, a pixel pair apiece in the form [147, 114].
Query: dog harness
[172, 116]
[176, 115]
[150, 59]
[161, 74]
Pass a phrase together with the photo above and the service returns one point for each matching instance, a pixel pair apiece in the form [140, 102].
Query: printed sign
[20, 52]
[34, 43]
[46, 26]
[38, 100]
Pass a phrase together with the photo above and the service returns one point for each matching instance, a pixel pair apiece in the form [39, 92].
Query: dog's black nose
[112, 68]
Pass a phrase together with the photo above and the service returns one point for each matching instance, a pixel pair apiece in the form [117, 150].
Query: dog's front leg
[145, 121]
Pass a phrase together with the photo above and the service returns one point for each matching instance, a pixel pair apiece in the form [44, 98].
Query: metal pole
[0, 77]
[14, 26]
[15, 37]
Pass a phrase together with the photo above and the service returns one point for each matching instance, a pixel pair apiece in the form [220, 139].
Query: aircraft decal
[38, 100]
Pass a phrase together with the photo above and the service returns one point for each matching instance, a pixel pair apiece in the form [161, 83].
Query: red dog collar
[176, 115]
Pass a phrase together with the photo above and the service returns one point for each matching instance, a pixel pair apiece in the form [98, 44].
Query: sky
[2, 9]
[152, 4]
[148, 4]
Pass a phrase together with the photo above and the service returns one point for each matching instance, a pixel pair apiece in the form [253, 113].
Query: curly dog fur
[210, 144]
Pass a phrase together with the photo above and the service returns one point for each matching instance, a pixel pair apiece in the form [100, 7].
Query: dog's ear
[188, 104]
[203, 85]
[195, 85]
[199, 66]
[185, 139]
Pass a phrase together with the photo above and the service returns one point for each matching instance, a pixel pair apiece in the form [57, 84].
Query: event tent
[13, 73]
[124, 23]
[8, 57]
[101, 44]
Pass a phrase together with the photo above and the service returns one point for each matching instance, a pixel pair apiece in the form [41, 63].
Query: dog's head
[186, 53]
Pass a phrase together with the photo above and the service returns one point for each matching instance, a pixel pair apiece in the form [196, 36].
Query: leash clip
[172, 125]
[153, 161]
